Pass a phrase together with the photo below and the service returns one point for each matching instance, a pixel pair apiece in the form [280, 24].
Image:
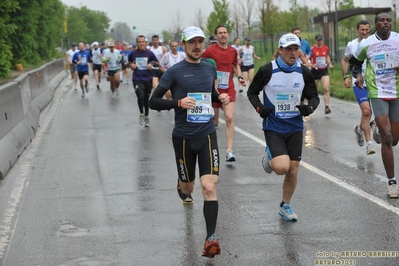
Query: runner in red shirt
[320, 63]
[225, 57]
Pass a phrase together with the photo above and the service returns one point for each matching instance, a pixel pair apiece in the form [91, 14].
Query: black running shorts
[125, 66]
[319, 73]
[157, 73]
[82, 74]
[246, 68]
[111, 73]
[187, 152]
[285, 144]
[97, 67]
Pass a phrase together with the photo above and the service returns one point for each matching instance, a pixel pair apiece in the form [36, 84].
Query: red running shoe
[211, 247]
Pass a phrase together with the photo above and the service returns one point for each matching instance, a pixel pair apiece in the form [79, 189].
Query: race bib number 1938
[285, 105]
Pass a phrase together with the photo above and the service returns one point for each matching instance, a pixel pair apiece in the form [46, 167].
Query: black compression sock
[211, 214]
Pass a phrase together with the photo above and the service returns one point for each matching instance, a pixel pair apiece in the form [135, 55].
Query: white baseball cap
[192, 32]
[289, 39]
[94, 43]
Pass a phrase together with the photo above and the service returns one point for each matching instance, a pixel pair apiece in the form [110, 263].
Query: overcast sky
[153, 16]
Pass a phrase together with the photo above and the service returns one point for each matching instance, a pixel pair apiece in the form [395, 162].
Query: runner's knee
[366, 112]
[387, 139]
[208, 188]
[229, 118]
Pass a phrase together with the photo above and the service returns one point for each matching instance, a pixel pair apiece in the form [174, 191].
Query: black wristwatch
[240, 77]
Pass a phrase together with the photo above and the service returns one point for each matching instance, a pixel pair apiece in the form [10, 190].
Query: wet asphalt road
[96, 188]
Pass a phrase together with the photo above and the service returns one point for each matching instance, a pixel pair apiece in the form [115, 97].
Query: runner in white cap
[97, 63]
[191, 82]
[282, 82]
[113, 58]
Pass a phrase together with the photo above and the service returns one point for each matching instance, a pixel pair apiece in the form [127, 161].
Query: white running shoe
[287, 213]
[393, 191]
[359, 135]
[230, 156]
[117, 92]
[113, 96]
[266, 161]
[370, 149]
[376, 135]
[141, 119]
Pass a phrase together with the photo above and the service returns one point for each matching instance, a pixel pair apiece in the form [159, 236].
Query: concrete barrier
[11, 107]
[21, 102]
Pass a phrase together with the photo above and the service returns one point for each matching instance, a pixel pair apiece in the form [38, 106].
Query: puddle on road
[87, 262]
[68, 229]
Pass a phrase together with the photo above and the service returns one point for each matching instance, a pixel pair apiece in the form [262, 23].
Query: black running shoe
[187, 199]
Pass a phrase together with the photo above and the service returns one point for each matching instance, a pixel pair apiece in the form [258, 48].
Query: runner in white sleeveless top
[247, 60]
[169, 59]
[237, 44]
[158, 51]
[72, 67]
[97, 63]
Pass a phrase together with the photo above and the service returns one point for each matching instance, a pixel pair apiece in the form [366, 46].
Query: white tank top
[158, 52]
[96, 57]
[70, 54]
[236, 47]
[247, 55]
[169, 59]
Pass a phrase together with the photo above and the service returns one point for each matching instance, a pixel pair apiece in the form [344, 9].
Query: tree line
[265, 21]
[31, 31]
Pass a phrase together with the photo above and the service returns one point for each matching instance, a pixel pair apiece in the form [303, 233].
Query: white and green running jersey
[381, 57]
[112, 59]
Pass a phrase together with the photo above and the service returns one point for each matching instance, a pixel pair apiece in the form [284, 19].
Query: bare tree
[236, 17]
[200, 19]
[177, 22]
[246, 7]
[327, 4]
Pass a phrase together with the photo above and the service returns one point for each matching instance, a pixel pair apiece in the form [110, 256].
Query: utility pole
[394, 15]
[336, 48]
